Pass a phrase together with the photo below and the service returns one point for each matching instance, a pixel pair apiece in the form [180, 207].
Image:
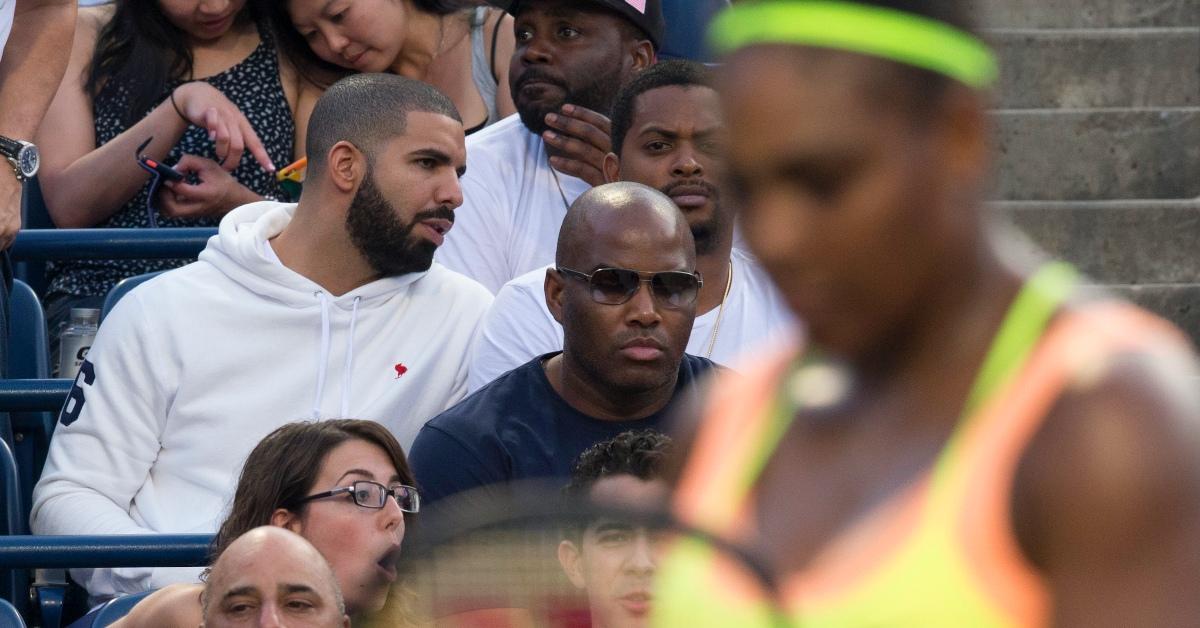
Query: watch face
[28, 159]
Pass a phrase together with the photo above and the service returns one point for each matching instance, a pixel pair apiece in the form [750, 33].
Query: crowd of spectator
[518, 256]
[333, 306]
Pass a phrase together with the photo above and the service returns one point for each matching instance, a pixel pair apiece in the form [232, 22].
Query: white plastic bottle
[76, 339]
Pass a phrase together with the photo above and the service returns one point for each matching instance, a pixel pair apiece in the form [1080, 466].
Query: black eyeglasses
[370, 494]
[614, 286]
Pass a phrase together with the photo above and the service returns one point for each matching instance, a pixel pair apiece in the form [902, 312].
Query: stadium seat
[12, 583]
[121, 289]
[28, 346]
[9, 617]
[28, 433]
[108, 613]
[687, 21]
[34, 215]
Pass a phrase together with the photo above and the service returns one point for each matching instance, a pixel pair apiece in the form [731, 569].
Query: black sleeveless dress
[254, 86]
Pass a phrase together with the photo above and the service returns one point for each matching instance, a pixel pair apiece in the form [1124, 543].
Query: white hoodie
[196, 366]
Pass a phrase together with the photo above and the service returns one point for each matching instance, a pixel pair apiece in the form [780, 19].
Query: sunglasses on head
[614, 286]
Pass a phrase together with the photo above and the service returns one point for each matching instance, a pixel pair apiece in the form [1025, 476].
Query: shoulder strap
[492, 55]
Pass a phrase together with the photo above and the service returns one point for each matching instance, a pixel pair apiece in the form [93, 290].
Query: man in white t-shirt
[571, 58]
[666, 128]
[329, 308]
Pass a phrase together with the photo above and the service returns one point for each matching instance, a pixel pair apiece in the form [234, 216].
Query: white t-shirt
[519, 327]
[7, 7]
[512, 206]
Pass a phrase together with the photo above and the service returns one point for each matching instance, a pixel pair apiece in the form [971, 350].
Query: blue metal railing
[76, 244]
[93, 551]
[33, 395]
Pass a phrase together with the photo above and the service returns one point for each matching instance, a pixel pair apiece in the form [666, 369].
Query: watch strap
[9, 147]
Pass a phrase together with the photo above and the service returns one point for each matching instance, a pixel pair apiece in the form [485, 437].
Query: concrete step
[1178, 303]
[1116, 242]
[1047, 154]
[1086, 13]
[1098, 68]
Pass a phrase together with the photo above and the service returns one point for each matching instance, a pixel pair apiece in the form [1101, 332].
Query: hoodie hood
[237, 251]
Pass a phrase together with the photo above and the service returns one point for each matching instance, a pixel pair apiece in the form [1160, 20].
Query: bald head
[623, 211]
[270, 572]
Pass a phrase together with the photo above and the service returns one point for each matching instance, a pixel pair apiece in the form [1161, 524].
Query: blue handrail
[96, 551]
[33, 395]
[67, 244]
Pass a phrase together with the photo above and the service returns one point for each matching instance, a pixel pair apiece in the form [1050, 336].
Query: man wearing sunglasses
[666, 134]
[625, 289]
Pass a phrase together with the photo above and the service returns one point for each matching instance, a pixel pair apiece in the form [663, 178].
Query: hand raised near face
[580, 138]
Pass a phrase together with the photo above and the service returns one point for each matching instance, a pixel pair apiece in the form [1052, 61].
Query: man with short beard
[329, 308]
[570, 60]
[667, 135]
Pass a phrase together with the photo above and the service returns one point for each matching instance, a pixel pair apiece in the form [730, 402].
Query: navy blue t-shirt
[518, 428]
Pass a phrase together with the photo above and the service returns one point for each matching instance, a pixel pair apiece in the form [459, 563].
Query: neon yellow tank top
[940, 553]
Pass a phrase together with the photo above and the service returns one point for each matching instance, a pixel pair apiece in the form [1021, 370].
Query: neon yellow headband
[876, 31]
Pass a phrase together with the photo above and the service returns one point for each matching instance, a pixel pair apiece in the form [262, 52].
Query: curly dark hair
[642, 454]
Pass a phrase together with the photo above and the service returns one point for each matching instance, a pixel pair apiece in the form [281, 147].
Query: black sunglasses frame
[657, 288]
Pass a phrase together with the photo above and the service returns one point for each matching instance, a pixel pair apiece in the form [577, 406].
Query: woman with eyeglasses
[202, 83]
[343, 484]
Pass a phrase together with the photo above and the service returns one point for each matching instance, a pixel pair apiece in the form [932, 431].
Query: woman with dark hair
[200, 82]
[343, 484]
[460, 50]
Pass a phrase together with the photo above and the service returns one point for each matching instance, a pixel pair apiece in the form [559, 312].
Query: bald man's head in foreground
[624, 288]
[270, 576]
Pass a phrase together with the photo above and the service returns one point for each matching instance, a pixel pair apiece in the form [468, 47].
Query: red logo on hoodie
[400, 370]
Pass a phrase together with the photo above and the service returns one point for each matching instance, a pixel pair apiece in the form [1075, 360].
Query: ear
[284, 518]
[643, 55]
[965, 134]
[571, 561]
[612, 168]
[554, 287]
[346, 166]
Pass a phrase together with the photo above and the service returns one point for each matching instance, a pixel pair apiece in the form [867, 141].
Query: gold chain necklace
[712, 339]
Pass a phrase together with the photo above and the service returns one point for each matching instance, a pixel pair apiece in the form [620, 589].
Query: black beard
[597, 95]
[705, 235]
[386, 243]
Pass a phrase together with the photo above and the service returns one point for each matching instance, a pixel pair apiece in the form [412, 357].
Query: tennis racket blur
[494, 557]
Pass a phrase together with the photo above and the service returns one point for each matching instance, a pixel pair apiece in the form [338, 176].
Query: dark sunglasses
[370, 494]
[614, 286]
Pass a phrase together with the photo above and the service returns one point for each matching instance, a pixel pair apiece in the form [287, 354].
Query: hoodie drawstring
[323, 358]
[346, 379]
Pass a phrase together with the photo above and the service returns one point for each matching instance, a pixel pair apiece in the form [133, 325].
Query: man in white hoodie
[329, 308]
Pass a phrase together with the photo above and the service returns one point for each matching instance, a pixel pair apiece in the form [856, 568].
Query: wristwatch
[22, 155]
